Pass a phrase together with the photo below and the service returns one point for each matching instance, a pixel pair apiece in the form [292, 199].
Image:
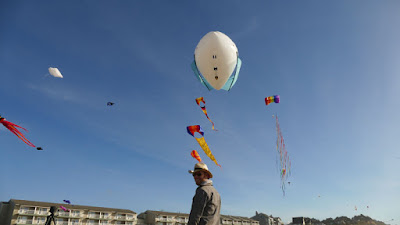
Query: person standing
[206, 203]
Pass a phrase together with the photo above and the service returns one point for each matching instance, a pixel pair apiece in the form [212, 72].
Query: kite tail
[205, 112]
[211, 123]
[203, 108]
[207, 150]
[196, 155]
[12, 127]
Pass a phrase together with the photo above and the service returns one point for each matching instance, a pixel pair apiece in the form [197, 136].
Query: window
[74, 221]
[129, 216]
[106, 215]
[94, 214]
[22, 219]
[76, 213]
[40, 220]
[43, 211]
[27, 210]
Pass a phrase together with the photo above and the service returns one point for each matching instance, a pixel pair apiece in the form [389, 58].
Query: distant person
[206, 203]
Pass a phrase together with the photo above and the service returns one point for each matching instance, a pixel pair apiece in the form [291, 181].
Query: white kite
[216, 61]
[55, 72]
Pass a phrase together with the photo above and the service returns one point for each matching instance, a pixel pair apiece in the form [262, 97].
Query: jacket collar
[206, 183]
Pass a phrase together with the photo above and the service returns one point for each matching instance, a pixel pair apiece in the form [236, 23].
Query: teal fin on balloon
[233, 78]
[199, 77]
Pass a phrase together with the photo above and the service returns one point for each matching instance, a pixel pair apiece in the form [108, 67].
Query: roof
[72, 206]
[239, 218]
[167, 213]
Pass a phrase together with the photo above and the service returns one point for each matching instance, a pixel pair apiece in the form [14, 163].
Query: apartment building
[237, 220]
[298, 221]
[22, 212]
[170, 218]
[151, 217]
[265, 219]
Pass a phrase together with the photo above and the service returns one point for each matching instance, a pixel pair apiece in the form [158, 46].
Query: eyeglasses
[197, 174]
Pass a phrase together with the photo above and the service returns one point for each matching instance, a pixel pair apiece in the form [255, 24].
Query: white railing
[27, 211]
[62, 222]
[123, 223]
[120, 217]
[105, 217]
[25, 222]
[62, 214]
[94, 216]
[39, 221]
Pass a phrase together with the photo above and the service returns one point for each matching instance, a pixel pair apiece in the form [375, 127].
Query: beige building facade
[22, 212]
[170, 218]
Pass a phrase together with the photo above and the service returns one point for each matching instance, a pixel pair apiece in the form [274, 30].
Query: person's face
[199, 177]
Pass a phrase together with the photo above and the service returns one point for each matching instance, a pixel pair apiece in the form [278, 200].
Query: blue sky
[334, 64]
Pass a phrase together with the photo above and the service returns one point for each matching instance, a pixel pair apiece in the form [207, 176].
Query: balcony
[27, 212]
[123, 223]
[92, 223]
[76, 215]
[165, 220]
[25, 222]
[120, 217]
[43, 213]
[63, 214]
[94, 216]
[62, 222]
[108, 217]
[39, 222]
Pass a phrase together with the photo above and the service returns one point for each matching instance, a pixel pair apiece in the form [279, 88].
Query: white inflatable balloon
[215, 59]
[55, 72]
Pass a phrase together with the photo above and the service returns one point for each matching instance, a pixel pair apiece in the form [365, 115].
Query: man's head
[200, 173]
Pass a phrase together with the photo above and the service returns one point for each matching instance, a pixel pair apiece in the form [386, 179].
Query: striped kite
[270, 99]
[198, 101]
[203, 144]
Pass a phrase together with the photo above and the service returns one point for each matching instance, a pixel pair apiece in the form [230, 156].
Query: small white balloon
[55, 72]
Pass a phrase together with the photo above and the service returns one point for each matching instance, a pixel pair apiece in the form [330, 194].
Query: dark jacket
[206, 206]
